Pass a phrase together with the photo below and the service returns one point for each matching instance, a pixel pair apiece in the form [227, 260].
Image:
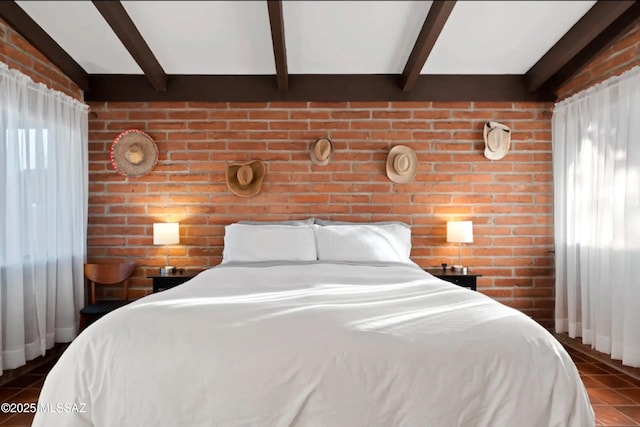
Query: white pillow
[364, 243]
[307, 221]
[320, 221]
[247, 243]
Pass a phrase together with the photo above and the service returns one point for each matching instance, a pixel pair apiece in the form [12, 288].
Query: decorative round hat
[321, 151]
[245, 179]
[133, 153]
[402, 164]
[497, 139]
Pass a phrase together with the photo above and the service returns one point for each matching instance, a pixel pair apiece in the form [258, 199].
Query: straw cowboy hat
[402, 164]
[321, 151]
[133, 153]
[245, 179]
[497, 139]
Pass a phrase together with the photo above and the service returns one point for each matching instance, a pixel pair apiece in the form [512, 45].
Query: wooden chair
[105, 275]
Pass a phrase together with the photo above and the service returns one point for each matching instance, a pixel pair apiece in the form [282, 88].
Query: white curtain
[596, 175]
[43, 216]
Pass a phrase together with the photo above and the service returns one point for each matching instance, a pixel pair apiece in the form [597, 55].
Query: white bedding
[316, 345]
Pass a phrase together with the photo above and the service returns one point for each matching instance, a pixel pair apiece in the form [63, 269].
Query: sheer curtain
[43, 216]
[596, 174]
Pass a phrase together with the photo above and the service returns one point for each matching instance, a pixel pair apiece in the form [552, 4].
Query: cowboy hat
[402, 164]
[133, 153]
[497, 139]
[321, 151]
[245, 179]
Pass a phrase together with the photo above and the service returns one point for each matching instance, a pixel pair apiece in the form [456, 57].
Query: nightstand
[456, 277]
[160, 283]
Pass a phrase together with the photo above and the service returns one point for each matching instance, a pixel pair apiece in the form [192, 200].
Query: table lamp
[166, 233]
[459, 232]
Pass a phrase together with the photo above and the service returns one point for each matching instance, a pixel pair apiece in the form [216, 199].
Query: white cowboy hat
[497, 139]
[245, 179]
[321, 151]
[133, 153]
[402, 164]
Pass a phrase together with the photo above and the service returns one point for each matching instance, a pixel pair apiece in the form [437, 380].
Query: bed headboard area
[509, 200]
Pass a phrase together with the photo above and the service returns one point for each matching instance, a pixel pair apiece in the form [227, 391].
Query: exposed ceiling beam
[588, 28]
[276, 20]
[315, 87]
[599, 44]
[20, 21]
[118, 19]
[431, 29]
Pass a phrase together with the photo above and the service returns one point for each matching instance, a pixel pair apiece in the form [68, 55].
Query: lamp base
[167, 270]
[459, 268]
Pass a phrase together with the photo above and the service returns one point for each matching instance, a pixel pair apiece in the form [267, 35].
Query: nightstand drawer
[468, 280]
[161, 283]
[465, 282]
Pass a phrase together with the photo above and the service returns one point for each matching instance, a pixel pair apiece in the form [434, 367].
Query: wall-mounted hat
[321, 151]
[402, 164]
[245, 179]
[133, 153]
[497, 139]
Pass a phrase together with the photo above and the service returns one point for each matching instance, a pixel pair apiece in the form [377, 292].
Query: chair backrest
[108, 274]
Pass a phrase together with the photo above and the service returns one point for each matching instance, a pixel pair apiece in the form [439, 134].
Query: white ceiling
[501, 37]
[79, 29]
[206, 37]
[322, 37]
[351, 37]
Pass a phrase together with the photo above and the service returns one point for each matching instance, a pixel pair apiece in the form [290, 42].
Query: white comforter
[315, 345]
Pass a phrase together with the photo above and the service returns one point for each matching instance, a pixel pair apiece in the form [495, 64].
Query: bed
[315, 342]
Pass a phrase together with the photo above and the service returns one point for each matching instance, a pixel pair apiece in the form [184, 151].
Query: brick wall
[17, 53]
[509, 201]
[620, 56]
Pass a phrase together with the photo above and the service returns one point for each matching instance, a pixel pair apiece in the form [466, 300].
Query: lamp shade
[460, 231]
[166, 233]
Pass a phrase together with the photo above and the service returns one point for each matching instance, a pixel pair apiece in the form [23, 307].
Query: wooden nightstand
[467, 280]
[160, 283]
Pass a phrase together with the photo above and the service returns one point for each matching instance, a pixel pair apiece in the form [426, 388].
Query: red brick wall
[17, 53]
[509, 201]
[622, 55]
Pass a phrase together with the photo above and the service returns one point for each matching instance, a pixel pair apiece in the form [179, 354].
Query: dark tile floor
[24, 388]
[615, 396]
